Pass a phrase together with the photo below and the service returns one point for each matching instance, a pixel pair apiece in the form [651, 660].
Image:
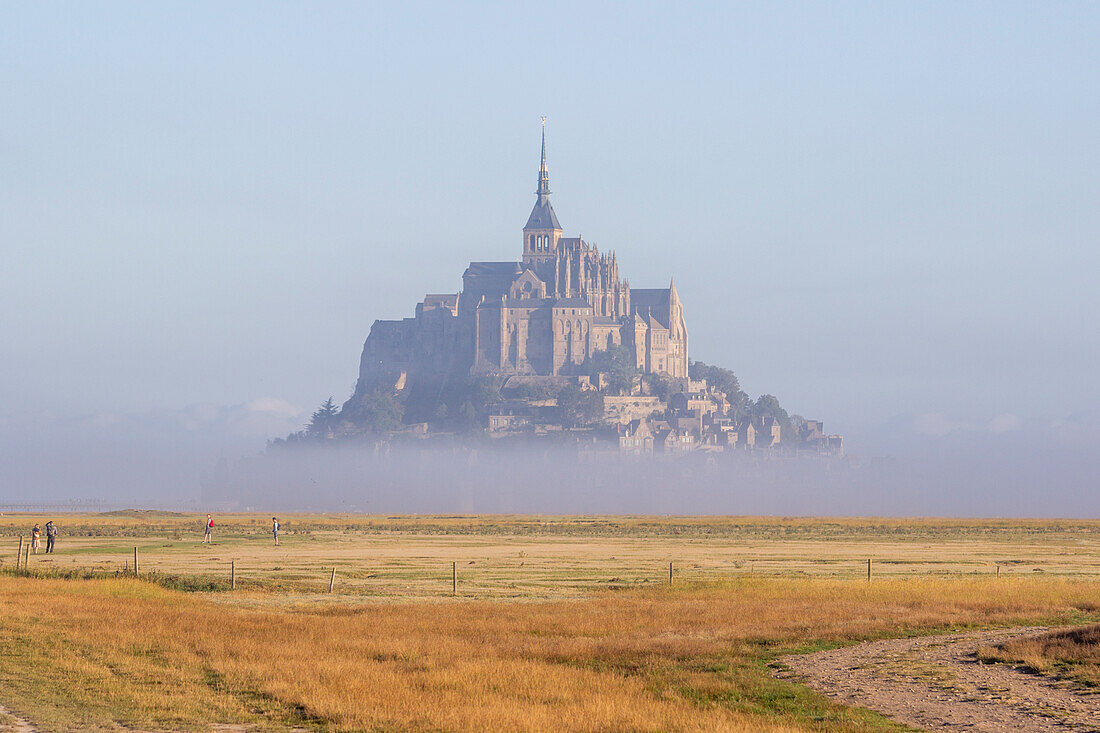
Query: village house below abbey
[562, 301]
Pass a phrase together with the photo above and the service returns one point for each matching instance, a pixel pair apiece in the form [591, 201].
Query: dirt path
[936, 683]
[12, 723]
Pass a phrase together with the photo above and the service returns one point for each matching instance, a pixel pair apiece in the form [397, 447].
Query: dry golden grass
[539, 558]
[85, 654]
[280, 651]
[1069, 653]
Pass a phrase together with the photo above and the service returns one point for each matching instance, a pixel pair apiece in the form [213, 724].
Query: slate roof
[649, 298]
[542, 216]
[493, 269]
[572, 303]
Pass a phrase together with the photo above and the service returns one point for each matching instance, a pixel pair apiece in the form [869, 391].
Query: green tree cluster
[379, 410]
[616, 361]
[580, 407]
[324, 420]
[725, 381]
[768, 406]
[462, 403]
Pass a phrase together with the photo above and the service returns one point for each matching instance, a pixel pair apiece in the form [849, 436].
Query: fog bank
[213, 457]
[564, 481]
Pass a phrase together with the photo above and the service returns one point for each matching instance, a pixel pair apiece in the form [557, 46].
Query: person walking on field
[51, 532]
[36, 535]
[275, 529]
[209, 528]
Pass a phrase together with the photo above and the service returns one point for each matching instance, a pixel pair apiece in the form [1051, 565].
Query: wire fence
[415, 576]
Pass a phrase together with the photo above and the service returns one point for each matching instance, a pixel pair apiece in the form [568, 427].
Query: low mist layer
[212, 457]
[565, 481]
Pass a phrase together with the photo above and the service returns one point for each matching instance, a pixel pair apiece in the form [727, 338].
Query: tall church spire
[544, 170]
[541, 235]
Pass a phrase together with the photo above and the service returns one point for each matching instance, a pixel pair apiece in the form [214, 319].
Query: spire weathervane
[544, 170]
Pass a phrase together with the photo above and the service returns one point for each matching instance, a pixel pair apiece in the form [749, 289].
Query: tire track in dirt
[12, 723]
[936, 683]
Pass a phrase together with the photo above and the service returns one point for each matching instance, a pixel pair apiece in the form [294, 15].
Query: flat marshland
[547, 558]
[559, 624]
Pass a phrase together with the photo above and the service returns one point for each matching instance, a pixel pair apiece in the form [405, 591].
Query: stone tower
[542, 232]
[560, 304]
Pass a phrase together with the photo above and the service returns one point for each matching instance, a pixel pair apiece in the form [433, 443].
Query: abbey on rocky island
[562, 301]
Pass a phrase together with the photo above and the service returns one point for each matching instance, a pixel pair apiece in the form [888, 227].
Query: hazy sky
[870, 210]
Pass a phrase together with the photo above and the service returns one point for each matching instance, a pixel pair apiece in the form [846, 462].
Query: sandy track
[12, 723]
[936, 683]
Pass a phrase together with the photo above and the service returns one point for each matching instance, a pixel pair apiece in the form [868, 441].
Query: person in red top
[209, 527]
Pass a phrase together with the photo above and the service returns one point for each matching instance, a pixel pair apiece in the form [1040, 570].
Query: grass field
[600, 641]
[544, 558]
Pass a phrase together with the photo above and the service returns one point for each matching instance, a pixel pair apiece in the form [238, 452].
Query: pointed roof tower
[542, 215]
[544, 170]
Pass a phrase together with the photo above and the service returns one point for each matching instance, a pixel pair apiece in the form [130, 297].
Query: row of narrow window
[540, 242]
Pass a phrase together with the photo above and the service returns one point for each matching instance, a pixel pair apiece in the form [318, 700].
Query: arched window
[532, 242]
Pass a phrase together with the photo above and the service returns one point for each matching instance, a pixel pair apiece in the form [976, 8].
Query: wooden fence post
[332, 579]
[868, 569]
[454, 578]
[232, 575]
[19, 555]
[670, 573]
[135, 562]
[27, 559]
[998, 569]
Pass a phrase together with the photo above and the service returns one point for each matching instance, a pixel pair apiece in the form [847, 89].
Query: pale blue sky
[870, 209]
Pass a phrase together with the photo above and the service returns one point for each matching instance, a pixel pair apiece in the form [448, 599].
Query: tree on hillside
[324, 419]
[740, 404]
[721, 379]
[466, 417]
[484, 392]
[616, 361]
[580, 407]
[724, 381]
[380, 411]
[423, 401]
[444, 399]
[659, 386]
[797, 424]
[768, 406]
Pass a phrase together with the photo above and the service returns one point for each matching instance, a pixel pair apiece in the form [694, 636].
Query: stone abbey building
[554, 307]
